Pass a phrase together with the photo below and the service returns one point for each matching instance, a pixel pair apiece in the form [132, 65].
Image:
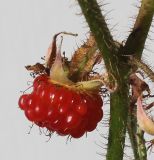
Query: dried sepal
[51, 53]
[91, 85]
[96, 58]
[58, 68]
[84, 59]
[144, 122]
[104, 79]
[57, 72]
[36, 68]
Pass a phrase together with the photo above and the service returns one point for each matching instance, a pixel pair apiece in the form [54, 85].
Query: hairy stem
[119, 103]
[136, 40]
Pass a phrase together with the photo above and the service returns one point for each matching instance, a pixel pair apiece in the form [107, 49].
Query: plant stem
[119, 103]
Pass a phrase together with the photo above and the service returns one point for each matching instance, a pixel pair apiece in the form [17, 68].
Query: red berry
[40, 80]
[91, 126]
[98, 115]
[63, 132]
[40, 124]
[99, 101]
[31, 100]
[79, 131]
[72, 120]
[61, 109]
[39, 111]
[36, 113]
[23, 101]
[81, 109]
[29, 113]
[36, 109]
[51, 115]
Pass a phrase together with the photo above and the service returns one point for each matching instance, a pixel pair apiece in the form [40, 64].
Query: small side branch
[141, 144]
[136, 136]
[136, 40]
[139, 64]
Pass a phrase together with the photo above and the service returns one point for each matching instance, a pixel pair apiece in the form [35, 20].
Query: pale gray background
[26, 29]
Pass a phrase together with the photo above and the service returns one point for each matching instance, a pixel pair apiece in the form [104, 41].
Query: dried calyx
[60, 71]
